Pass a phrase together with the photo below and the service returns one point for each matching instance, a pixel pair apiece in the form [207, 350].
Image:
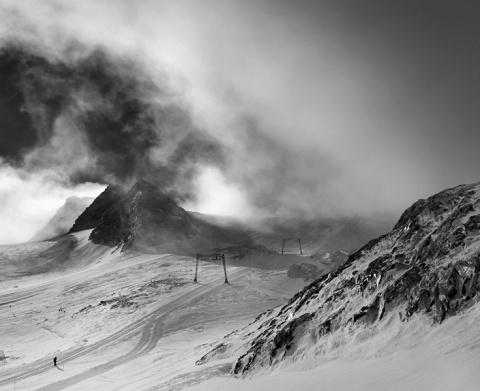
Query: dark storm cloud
[322, 106]
[17, 130]
[99, 117]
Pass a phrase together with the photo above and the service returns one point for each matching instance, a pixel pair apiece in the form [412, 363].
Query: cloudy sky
[244, 108]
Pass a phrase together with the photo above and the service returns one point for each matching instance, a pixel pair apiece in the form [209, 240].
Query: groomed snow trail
[150, 325]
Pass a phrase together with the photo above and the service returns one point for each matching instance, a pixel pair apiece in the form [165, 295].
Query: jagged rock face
[145, 216]
[111, 227]
[146, 219]
[93, 214]
[429, 264]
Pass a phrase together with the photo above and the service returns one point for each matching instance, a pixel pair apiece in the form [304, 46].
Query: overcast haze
[246, 108]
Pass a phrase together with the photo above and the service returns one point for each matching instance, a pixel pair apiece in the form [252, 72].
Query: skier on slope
[55, 361]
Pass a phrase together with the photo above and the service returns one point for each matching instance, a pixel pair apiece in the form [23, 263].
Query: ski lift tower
[211, 257]
[286, 240]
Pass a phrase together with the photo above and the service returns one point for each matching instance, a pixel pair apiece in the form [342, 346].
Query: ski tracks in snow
[152, 326]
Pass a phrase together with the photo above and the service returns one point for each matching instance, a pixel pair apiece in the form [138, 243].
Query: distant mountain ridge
[63, 219]
[146, 218]
[429, 264]
[319, 235]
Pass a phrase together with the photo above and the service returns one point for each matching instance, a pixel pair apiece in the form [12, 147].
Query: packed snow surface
[130, 321]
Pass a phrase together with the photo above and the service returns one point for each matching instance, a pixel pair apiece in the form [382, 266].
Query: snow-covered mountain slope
[116, 314]
[35, 260]
[427, 266]
[63, 219]
[130, 321]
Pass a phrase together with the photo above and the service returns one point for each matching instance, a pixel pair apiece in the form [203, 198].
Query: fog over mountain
[239, 195]
[236, 108]
[64, 219]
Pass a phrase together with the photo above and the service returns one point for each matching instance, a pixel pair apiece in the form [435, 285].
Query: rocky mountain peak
[145, 196]
[428, 265]
[143, 185]
[143, 216]
[147, 219]
[153, 216]
[92, 216]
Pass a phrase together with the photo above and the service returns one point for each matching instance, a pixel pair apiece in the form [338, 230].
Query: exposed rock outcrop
[107, 201]
[429, 264]
[144, 217]
[147, 219]
[307, 271]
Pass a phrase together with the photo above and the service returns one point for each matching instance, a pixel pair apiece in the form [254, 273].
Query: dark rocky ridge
[93, 214]
[147, 219]
[144, 216]
[429, 264]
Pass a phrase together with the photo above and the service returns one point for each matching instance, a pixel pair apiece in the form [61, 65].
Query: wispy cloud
[29, 199]
[320, 107]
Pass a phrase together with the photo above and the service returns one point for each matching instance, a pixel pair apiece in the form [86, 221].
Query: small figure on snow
[55, 361]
